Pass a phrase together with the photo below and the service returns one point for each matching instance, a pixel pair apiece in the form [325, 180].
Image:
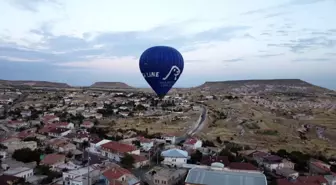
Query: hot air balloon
[161, 66]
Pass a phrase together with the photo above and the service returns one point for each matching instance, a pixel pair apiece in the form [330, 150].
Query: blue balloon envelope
[161, 66]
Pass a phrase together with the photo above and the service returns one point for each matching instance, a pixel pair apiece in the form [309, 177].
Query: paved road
[197, 127]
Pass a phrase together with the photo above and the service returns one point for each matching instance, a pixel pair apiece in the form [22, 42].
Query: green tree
[127, 161]
[27, 155]
[196, 157]
[49, 150]
[136, 143]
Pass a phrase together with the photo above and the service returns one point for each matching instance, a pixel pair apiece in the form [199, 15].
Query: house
[119, 176]
[87, 124]
[3, 155]
[15, 145]
[48, 119]
[53, 160]
[318, 167]
[62, 145]
[27, 133]
[80, 137]
[65, 125]
[198, 176]
[80, 176]
[166, 176]
[95, 144]
[115, 150]
[272, 162]
[242, 166]
[287, 173]
[146, 144]
[303, 180]
[47, 128]
[16, 124]
[175, 157]
[192, 143]
[22, 172]
[140, 161]
[10, 180]
[59, 132]
[331, 179]
[169, 138]
[25, 113]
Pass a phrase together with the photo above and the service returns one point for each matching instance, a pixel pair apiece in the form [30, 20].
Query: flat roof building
[199, 176]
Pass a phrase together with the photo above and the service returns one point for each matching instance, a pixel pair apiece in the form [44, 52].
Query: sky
[83, 41]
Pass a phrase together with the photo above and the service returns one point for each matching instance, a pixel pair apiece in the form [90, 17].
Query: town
[116, 137]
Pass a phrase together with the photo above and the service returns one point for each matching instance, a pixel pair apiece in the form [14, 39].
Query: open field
[166, 124]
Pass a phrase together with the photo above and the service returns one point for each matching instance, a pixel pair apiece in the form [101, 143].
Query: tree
[2, 146]
[136, 143]
[127, 161]
[85, 144]
[196, 157]
[333, 168]
[48, 150]
[218, 139]
[282, 153]
[27, 155]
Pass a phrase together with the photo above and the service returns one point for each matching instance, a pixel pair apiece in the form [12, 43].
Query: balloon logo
[161, 66]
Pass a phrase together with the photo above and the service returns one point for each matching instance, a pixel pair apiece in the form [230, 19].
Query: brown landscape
[259, 113]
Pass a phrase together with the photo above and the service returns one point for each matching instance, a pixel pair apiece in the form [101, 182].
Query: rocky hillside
[110, 85]
[30, 83]
[250, 86]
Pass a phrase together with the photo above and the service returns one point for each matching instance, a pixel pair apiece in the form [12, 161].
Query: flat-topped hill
[111, 85]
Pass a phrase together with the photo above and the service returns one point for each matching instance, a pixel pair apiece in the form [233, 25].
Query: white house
[15, 145]
[192, 143]
[169, 138]
[175, 157]
[22, 172]
[80, 176]
[15, 124]
[115, 150]
[59, 132]
[146, 144]
[95, 144]
[66, 125]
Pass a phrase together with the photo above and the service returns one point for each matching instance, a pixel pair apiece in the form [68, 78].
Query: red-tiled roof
[304, 180]
[139, 158]
[95, 140]
[321, 165]
[87, 123]
[64, 124]
[47, 118]
[8, 179]
[47, 128]
[15, 122]
[118, 147]
[242, 166]
[26, 133]
[58, 130]
[115, 173]
[144, 140]
[191, 141]
[51, 159]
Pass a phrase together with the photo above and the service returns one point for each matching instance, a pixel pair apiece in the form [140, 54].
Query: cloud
[270, 55]
[86, 41]
[233, 60]
[311, 59]
[32, 5]
[13, 59]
